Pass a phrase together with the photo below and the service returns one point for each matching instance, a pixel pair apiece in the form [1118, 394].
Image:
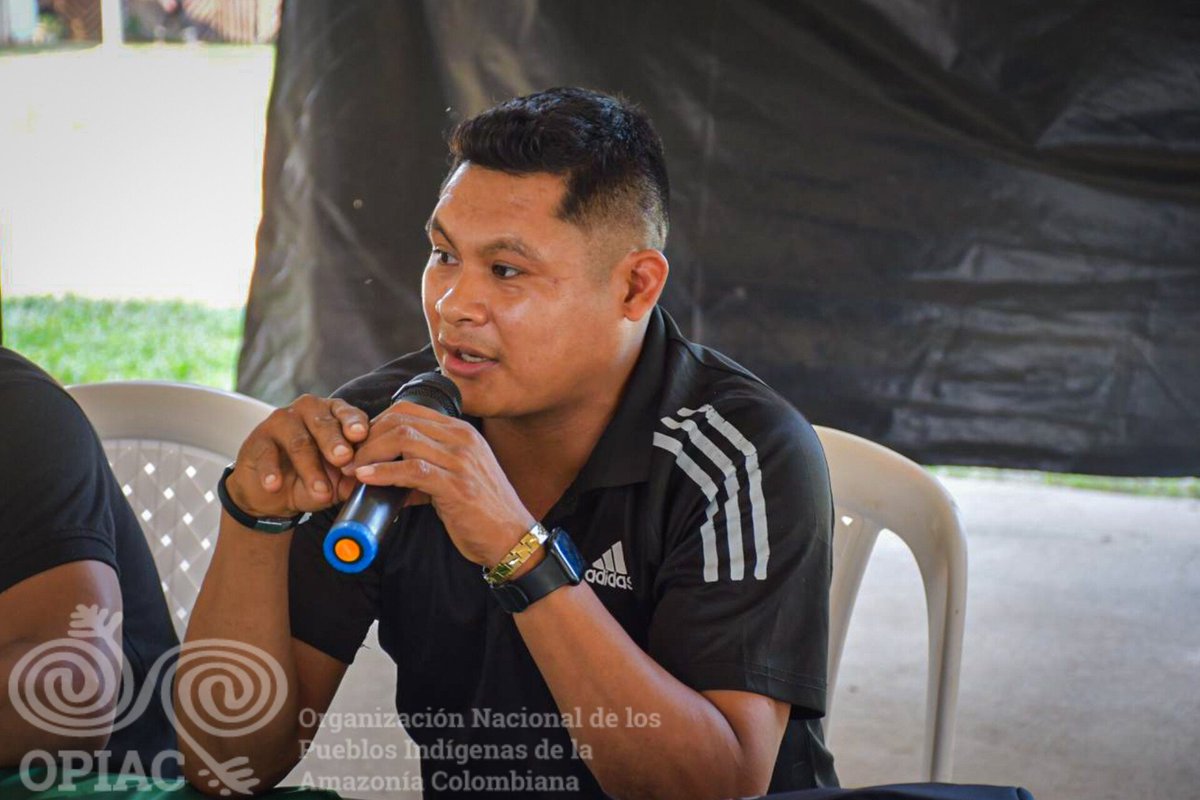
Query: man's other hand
[291, 462]
[449, 464]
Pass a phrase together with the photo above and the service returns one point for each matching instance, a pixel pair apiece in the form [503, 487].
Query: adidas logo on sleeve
[609, 570]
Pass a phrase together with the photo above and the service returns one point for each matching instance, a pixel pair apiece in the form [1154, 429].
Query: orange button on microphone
[347, 550]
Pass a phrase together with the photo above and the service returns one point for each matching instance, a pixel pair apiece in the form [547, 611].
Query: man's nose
[463, 299]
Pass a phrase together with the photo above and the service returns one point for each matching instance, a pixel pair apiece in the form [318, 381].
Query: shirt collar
[622, 454]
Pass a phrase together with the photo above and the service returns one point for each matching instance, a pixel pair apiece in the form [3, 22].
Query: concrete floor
[1081, 664]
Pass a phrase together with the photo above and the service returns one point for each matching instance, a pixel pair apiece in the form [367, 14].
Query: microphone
[353, 540]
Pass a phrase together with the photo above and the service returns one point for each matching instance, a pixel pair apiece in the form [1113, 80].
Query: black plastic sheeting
[965, 229]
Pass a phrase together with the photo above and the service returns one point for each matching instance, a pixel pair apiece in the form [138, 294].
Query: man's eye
[442, 257]
[505, 271]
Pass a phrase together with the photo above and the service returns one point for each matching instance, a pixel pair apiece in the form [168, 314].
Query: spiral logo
[228, 688]
[70, 686]
[66, 687]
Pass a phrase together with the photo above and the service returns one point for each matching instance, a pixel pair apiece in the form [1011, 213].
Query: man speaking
[612, 573]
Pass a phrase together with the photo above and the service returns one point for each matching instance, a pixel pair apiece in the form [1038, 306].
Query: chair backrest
[876, 489]
[167, 444]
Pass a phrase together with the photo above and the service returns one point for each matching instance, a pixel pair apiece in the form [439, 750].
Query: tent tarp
[967, 230]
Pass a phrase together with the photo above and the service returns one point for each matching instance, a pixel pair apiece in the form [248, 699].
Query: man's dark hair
[605, 147]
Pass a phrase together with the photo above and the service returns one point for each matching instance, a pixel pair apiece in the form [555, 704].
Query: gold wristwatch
[520, 553]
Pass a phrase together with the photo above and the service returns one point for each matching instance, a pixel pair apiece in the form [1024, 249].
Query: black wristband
[263, 524]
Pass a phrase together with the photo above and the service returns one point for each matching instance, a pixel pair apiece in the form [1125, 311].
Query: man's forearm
[18, 735]
[669, 740]
[244, 599]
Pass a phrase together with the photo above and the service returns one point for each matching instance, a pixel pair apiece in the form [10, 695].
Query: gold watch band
[520, 553]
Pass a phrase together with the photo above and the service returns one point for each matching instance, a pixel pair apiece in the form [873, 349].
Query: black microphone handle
[377, 507]
[372, 510]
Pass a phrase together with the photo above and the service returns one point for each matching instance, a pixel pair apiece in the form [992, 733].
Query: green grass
[221, 50]
[84, 341]
[9, 51]
[1157, 487]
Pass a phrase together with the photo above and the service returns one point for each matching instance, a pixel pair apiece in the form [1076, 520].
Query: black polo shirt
[705, 515]
[59, 503]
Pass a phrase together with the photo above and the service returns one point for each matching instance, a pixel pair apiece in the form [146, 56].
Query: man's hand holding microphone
[291, 463]
[308, 457]
[317, 453]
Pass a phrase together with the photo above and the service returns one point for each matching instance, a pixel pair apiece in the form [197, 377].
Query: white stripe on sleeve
[758, 504]
[708, 534]
[733, 514]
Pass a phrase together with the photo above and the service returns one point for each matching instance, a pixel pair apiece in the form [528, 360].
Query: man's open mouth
[467, 355]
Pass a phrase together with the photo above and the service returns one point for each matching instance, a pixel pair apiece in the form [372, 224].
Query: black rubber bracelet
[263, 524]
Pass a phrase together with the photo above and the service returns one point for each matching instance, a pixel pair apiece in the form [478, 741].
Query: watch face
[569, 556]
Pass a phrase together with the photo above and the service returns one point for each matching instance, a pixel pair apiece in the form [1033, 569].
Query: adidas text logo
[609, 570]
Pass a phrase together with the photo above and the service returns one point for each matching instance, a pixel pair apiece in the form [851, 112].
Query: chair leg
[945, 581]
[849, 565]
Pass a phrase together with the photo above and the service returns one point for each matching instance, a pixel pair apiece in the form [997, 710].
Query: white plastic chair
[877, 489]
[167, 444]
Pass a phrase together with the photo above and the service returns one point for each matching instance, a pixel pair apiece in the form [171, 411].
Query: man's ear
[643, 274]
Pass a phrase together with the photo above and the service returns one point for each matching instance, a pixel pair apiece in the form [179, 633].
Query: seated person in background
[698, 497]
[68, 539]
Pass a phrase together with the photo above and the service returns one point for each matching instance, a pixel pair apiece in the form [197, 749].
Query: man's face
[523, 313]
